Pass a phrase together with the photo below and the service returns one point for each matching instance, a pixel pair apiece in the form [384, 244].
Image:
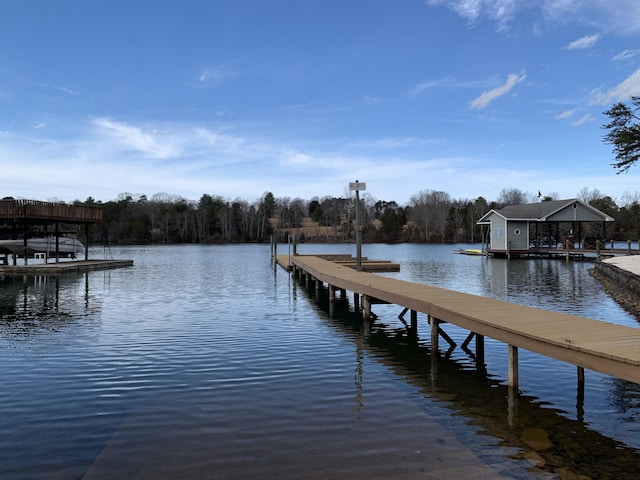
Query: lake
[208, 362]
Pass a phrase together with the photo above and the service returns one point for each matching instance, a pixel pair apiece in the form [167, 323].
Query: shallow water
[205, 361]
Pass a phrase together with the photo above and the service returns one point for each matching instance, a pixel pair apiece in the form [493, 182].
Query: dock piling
[513, 367]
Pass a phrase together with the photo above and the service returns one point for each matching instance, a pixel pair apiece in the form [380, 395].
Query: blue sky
[235, 98]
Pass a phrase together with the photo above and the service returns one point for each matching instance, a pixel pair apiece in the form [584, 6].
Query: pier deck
[75, 266]
[587, 343]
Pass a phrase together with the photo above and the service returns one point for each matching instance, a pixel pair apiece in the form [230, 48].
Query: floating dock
[349, 261]
[592, 344]
[75, 266]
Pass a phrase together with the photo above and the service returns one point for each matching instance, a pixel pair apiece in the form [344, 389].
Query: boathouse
[26, 218]
[540, 227]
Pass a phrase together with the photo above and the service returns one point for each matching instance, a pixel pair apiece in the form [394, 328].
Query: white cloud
[448, 82]
[582, 120]
[587, 41]
[215, 75]
[134, 138]
[624, 90]
[40, 125]
[500, 11]
[564, 115]
[625, 54]
[619, 16]
[487, 97]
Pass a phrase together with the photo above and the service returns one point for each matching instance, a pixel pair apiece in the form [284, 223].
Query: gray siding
[518, 235]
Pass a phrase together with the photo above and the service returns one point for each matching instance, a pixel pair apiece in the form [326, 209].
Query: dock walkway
[74, 266]
[587, 343]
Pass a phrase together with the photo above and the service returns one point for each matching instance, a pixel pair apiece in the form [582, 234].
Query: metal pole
[358, 233]
[357, 186]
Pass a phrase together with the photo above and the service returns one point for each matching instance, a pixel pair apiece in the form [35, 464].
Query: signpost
[357, 187]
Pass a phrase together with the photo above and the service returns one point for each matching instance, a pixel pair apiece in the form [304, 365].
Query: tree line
[430, 216]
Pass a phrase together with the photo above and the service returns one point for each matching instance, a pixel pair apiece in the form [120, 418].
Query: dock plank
[593, 344]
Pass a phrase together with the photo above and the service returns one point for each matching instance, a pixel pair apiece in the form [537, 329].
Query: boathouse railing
[48, 211]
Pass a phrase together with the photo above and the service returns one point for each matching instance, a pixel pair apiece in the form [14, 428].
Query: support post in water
[480, 351]
[366, 308]
[513, 367]
[434, 334]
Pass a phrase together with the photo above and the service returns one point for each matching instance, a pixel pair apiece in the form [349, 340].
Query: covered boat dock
[24, 219]
[570, 228]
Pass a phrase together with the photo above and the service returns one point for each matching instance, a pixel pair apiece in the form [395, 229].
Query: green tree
[624, 133]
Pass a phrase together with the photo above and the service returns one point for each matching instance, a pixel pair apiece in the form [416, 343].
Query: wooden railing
[60, 212]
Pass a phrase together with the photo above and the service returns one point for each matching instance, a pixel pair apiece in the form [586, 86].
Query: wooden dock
[76, 266]
[592, 344]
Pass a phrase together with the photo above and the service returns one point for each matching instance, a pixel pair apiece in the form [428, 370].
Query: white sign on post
[357, 186]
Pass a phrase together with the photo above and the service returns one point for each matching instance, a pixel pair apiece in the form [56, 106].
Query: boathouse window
[517, 231]
[498, 232]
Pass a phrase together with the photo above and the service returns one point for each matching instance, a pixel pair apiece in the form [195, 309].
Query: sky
[236, 98]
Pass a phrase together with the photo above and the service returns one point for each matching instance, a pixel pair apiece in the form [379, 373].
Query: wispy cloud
[625, 54]
[626, 89]
[130, 137]
[587, 41]
[582, 120]
[212, 76]
[449, 82]
[487, 97]
[500, 11]
[564, 115]
[609, 16]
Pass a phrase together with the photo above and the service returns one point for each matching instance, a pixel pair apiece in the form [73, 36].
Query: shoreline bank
[620, 277]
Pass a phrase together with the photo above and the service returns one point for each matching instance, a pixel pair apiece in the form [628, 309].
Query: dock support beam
[332, 294]
[513, 367]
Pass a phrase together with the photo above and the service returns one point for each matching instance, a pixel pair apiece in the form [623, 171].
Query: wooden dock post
[366, 308]
[332, 294]
[356, 302]
[513, 367]
[434, 322]
[480, 352]
[414, 321]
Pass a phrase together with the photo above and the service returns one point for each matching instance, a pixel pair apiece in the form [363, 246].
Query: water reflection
[32, 304]
[506, 424]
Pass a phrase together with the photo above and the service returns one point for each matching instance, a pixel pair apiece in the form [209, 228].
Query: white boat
[66, 246]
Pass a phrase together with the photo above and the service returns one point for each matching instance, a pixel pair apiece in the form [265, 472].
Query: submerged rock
[537, 439]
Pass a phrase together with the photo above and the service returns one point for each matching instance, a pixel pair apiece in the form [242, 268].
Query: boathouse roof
[572, 209]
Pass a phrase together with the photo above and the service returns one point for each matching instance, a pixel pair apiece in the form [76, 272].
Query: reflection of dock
[596, 345]
[78, 266]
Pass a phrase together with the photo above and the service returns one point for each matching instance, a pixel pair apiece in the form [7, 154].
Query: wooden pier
[586, 343]
[76, 266]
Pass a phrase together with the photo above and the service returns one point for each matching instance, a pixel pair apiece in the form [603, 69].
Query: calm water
[206, 362]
